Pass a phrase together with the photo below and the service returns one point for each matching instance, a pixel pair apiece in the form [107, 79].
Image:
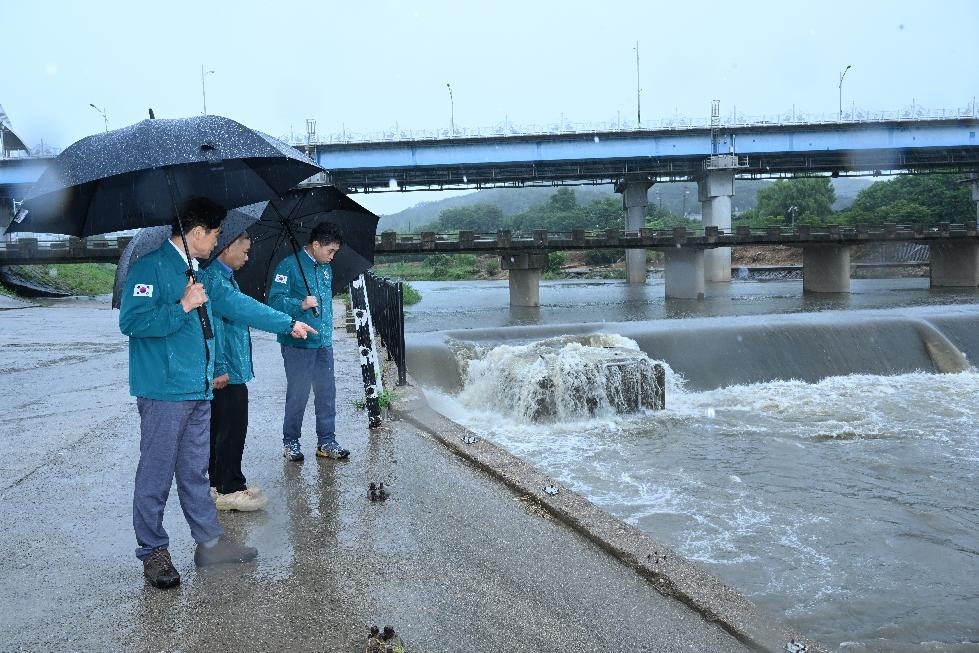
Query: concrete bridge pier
[525, 270]
[826, 268]
[635, 199]
[683, 273]
[974, 187]
[714, 191]
[954, 265]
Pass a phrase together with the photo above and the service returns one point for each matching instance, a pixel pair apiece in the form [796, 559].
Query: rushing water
[847, 505]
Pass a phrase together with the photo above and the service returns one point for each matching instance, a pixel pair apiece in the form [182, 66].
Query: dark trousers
[229, 424]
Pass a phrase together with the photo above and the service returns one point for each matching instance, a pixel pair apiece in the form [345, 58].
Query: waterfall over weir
[710, 353]
[563, 378]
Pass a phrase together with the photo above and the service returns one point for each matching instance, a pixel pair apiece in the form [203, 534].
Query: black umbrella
[136, 176]
[149, 239]
[285, 226]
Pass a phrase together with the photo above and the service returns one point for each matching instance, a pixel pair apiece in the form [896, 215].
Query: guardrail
[387, 308]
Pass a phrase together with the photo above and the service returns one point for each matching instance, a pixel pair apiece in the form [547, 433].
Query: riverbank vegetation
[80, 279]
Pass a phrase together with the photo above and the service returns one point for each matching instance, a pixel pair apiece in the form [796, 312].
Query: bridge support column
[826, 268]
[683, 272]
[954, 265]
[974, 186]
[525, 271]
[714, 191]
[635, 199]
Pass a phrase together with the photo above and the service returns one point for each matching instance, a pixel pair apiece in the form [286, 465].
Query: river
[845, 503]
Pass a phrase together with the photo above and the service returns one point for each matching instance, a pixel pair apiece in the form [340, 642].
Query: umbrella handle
[205, 322]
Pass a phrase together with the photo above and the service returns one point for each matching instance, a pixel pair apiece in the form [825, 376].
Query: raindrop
[596, 139]
[393, 183]
[465, 179]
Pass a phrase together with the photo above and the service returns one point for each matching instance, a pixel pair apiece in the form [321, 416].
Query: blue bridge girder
[851, 148]
[684, 154]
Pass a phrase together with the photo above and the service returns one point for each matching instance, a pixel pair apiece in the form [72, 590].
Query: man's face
[202, 241]
[235, 255]
[324, 253]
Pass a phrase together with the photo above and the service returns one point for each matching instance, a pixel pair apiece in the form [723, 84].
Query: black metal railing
[387, 307]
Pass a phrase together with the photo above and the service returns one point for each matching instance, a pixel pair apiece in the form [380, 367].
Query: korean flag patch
[281, 278]
[142, 290]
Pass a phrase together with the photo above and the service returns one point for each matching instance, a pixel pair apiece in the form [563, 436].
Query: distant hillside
[677, 197]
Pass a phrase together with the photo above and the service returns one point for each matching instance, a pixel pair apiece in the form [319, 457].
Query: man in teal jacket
[232, 371]
[309, 363]
[171, 368]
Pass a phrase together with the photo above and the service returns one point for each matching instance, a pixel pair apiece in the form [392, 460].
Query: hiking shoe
[242, 500]
[226, 550]
[292, 452]
[159, 570]
[334, 451]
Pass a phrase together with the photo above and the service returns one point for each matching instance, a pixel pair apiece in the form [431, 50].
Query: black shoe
[159, 570]
[226, 550]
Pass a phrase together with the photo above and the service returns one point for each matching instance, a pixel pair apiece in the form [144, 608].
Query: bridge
[953, 248]
[634, 160]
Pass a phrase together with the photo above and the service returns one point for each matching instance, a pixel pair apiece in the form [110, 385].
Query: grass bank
[84, 279]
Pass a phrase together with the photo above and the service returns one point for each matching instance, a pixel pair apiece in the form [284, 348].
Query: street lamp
[203, 91]
[685, 194]
[452, 109]
[104, 117]
[842, 75]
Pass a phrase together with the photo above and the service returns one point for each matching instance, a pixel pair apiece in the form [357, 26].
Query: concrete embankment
[469, 553]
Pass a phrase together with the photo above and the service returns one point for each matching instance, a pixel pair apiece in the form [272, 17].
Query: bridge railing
[798, 235]
[668, 123]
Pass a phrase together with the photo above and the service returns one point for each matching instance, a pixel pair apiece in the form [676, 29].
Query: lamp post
[452, 111]
[842, 75]
[105, 119]
[203, 91]
[685, 193]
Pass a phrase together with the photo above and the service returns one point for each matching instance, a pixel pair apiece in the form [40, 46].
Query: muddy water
[845, 504]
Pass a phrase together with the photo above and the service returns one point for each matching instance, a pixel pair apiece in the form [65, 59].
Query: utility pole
[452, 111]
[638, 90]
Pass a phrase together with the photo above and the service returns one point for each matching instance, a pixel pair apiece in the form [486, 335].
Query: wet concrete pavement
[468, 554]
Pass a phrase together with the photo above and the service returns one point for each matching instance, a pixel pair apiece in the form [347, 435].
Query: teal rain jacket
[169, 359]
[232, 340]
[288, 291]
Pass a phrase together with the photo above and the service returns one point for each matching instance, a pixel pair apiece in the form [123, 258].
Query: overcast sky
[374, 67]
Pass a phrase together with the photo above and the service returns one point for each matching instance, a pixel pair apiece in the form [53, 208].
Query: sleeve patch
[143, 290]
[281, 278]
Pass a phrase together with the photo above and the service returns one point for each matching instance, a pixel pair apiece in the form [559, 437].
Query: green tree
[910, 199]
[563, 199]
[812, 198]
[483, 218]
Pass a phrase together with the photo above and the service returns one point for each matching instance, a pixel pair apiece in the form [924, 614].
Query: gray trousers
[174, 442]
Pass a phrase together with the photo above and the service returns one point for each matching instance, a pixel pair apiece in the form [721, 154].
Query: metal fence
[387, 307]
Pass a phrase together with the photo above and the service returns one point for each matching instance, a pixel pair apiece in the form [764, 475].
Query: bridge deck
[73, 250]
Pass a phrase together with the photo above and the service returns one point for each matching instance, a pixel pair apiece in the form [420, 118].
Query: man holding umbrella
[303, 287]
[171, 368]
